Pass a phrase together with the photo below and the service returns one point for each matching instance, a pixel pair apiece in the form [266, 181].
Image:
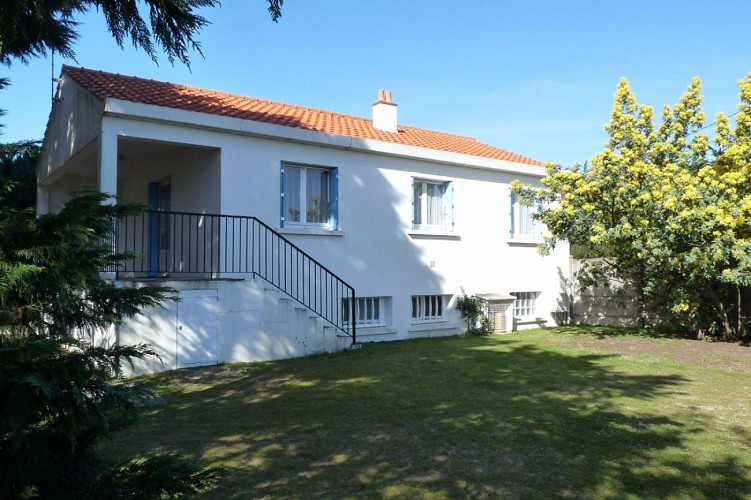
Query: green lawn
[555, 412]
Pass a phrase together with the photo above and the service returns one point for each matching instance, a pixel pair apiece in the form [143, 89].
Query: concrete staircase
[284, 317]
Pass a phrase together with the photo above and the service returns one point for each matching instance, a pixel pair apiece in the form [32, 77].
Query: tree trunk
[722, 313]
[744, 307]
[739, 316]
[642, 299]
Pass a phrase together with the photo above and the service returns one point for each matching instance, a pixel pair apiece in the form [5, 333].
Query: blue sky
[534, 77]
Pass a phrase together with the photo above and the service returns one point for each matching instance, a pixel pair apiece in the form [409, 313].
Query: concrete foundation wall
[226, 321]
[229, 321]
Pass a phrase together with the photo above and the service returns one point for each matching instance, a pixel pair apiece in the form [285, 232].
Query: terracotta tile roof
[104, 85]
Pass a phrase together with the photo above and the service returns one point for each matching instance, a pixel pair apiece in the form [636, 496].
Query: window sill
[425, 327]
[433, 233]
[366, 331]
[317, 231]
[529, 320]
[521, 240]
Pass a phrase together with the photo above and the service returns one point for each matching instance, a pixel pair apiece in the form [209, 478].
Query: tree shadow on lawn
[442, 418]
[604, 332]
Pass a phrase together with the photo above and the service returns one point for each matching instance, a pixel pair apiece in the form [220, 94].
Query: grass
[543, 413]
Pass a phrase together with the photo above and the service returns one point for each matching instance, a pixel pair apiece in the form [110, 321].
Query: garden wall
[606, 305]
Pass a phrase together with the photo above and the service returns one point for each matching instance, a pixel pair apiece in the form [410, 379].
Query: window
[427, 308]
[523, 225]
[525, 303]
[369, 311]
[432, 205]
[309, 196]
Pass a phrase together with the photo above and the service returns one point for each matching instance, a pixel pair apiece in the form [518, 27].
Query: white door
[197, 328]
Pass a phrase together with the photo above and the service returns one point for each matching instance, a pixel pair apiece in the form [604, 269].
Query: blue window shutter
[334, 183]
[450, 220]
[281, 194]
[511, 213]
[412, 202]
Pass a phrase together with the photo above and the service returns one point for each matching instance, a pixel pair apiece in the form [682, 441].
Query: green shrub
[472, 309]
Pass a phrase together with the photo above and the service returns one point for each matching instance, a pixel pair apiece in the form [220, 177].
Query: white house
[278, 222]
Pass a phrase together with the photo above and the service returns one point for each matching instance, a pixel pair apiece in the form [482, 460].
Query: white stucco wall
[238, 321]
[228, 166]
[75, 121]
[375, 249]
[192, 172]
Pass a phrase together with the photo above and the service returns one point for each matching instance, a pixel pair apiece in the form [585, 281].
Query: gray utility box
[500, 308]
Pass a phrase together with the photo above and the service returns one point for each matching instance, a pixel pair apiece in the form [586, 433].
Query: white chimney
[384, 112]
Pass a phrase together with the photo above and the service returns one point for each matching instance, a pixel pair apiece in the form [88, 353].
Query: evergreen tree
[30, 28]
[57, 396]
[18, 173]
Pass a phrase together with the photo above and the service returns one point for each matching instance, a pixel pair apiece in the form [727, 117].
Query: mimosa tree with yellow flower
[666, 210]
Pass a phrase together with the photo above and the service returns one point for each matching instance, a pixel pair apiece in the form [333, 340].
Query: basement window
[427, 308]
[369, 311]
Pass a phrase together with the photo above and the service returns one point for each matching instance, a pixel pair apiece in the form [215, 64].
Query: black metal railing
[210, 246]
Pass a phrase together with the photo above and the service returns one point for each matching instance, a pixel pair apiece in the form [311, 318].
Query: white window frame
[370, 312]
[523, 226]
[525, 304]
[331, 208]
[421, 205]
[428, 308]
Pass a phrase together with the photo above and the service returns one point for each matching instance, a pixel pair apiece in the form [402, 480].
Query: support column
[43, 200]
[108, 162]
[108, 175]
